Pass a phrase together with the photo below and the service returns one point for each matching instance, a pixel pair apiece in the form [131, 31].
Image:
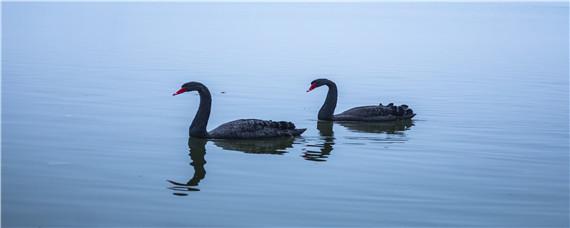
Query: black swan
[237, 129]
[372, 113]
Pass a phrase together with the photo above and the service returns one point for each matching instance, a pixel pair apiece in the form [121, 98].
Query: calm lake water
[91, 134]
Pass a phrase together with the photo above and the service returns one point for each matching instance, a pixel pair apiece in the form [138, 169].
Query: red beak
[182, 90]
[313, 86]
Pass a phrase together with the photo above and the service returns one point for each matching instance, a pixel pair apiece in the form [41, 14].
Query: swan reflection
[327, 137]
[391, 127]
[197, 154]
[257, 146]
[378, 132]
[197, 148]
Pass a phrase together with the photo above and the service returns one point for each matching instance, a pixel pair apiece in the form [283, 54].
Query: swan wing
[254, 128]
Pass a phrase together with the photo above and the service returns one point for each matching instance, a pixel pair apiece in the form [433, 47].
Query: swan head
[190, 86]
[318, 83]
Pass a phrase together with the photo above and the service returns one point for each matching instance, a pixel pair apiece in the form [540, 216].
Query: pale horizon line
[302, 1]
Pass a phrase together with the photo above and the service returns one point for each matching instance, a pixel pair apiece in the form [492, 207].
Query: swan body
[371, 113]
[376, 113]
[237, 129]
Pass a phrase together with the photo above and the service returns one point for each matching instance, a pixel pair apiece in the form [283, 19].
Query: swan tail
[286, 127]
[402, 111]
[283, 125]
[297, 132]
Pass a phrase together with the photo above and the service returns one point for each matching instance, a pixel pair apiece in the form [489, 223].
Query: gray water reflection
[197, 148]
[88, 86]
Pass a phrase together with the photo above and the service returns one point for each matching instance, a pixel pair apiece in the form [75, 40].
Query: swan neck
[327, 110]
[200, 122]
